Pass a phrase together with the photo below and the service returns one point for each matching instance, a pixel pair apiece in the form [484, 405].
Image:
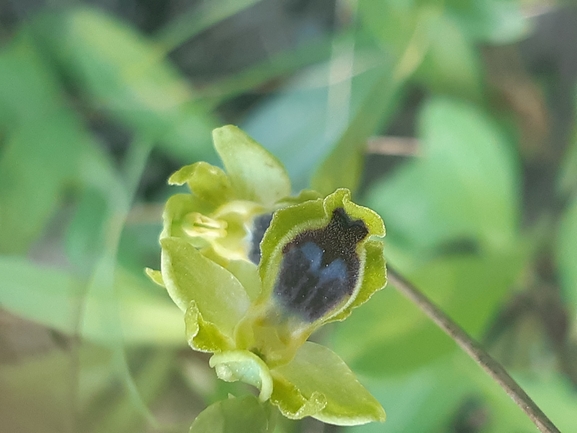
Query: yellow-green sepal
[202, 335]
[192, 278]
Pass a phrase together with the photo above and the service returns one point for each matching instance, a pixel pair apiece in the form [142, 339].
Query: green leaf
[283, 63]
[121, 72]
[316, 369]
[555, 396]
[42, 143]
[566, 254]
[491, 21]
[423, 400]
[307, 121]
[451, 64]
[392, 23]
[390, 335]
[343, 166]
[84, 237]
[52, 297]
[235, 415]
[39, 293]
[191, 277]
[254, 173]
[190, 23]
[465, 186]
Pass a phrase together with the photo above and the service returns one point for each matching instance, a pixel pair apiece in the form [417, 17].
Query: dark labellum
[259, 226]
[320, 267]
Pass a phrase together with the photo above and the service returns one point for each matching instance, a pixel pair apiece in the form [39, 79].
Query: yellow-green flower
[257, 271]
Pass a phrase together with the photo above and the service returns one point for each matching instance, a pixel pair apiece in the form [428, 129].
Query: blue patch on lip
[320, 267]
[259, 226]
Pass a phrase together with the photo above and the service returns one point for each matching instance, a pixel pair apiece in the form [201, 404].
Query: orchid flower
[256, 271]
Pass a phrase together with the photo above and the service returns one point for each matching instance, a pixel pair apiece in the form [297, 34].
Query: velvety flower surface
[256, 271]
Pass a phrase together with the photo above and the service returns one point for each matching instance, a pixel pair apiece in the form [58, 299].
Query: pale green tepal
[256, 271]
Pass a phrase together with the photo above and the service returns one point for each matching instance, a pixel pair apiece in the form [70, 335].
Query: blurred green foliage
[88, 344]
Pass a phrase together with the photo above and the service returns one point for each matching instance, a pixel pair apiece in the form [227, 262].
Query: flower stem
[475, 351]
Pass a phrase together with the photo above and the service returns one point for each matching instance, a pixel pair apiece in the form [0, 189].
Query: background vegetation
[472, 164]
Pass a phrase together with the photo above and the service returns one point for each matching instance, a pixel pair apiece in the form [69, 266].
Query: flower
[256, 271]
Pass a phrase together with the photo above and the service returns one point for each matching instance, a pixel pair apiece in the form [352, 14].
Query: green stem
[475, 351]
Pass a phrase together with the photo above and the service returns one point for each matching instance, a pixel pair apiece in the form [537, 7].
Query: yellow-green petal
[255, 174]
[206, 181]
[317, 370]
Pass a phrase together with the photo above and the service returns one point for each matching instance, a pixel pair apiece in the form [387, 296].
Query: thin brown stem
[475, 351]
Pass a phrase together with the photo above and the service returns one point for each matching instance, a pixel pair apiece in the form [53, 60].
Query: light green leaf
[235, 415]
[491, 21]
[119, 71]
[392, 23]
[39, 293]
[52, 297]
[290, 61]
[85, 237]
[555, 396]
[317, 370]
[423, 400]
[254, 173]
[307, 121]
[186, 25]
[450, 65]
[464, 187]
[41, 143]
[390, 335]
[343, 166]
[189, 276]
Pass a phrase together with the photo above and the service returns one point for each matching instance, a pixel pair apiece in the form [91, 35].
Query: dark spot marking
[320, 267]
[259, 226]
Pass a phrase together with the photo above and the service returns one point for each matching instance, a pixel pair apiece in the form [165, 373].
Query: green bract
[256, 271]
